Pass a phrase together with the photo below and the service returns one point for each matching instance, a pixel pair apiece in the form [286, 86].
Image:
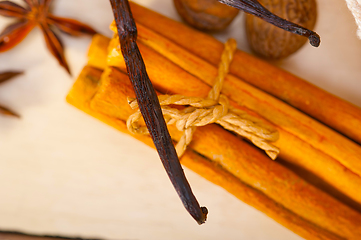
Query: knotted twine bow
[213, 109]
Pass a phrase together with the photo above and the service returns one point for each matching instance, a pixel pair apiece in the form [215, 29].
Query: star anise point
[4, 76]
[36, 13]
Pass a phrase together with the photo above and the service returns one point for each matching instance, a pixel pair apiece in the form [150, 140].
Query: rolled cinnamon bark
[244, 161]
[305, 96]
[108, 93]
[82, 93]
[303, 141]
[98, 51]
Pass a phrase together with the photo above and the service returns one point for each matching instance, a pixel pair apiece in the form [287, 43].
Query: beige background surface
[63, 172]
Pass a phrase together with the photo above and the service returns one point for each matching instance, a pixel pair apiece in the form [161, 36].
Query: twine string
[213, 109]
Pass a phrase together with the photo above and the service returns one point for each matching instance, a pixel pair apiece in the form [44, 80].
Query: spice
[290, 195]
[255, 8]
[270, 42]
[290, 120]
[36, 13]
[108, 102]
[173, 68]
[209, 15]
[275, 81]
[4, 76]
[149, 105]
[214, 108]
[81, 96]
[150, 108]
[96, 51]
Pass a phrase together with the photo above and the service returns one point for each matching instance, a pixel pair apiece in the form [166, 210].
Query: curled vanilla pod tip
[255, 8]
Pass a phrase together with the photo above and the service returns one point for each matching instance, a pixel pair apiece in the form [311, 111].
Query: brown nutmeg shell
[209, 15]
[271, 42]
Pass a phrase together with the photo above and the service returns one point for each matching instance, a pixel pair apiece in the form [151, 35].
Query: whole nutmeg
[271, 42]
[209, 15]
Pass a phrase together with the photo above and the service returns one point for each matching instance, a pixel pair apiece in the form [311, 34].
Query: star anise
[36, 13]
[3, 77]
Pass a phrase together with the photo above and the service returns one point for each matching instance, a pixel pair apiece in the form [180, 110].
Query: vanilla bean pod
[150, 108]
[255, 8]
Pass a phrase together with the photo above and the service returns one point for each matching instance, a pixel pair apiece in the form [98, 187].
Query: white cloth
[355, 8]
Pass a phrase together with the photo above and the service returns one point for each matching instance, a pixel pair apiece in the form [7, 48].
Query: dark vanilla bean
[150, 108]
[255, 8]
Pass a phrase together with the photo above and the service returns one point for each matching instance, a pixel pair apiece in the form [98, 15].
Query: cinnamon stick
[285, 86]
[86, 87]
[273, 109]
[97, 53]
[243, 161]
[303, 141]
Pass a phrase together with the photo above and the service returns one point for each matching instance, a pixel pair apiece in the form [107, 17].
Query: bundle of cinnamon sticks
[311, 188]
